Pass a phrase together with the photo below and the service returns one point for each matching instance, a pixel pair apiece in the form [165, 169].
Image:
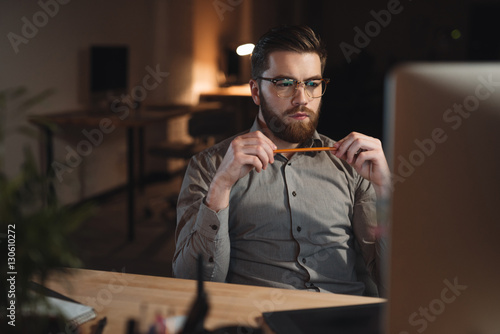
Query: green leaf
[43, 225]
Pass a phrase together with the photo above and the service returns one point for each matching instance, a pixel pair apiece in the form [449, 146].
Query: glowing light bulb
[245, 49]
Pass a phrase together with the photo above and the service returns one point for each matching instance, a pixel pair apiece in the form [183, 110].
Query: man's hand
[365, 154]
[246, 152]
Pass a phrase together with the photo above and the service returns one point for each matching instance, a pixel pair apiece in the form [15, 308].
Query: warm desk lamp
[245, 49]
[236, 64]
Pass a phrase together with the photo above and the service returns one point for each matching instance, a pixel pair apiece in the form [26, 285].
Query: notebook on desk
[55, 303]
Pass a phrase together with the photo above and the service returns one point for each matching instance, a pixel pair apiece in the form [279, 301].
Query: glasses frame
[274, 81]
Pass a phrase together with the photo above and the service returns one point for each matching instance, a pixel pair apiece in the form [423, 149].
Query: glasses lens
[285, 87]
[315, 88]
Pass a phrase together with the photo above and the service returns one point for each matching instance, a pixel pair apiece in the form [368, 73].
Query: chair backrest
[217, 123]
[363, 275]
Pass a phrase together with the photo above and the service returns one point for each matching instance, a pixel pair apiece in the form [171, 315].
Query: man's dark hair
[301, 39]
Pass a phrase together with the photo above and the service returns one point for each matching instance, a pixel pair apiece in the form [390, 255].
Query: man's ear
[254, 89]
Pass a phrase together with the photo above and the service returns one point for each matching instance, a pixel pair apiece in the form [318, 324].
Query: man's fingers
[252, 150]
[256, 143]
[353, 144]
[363, 157]
[348, 148]
[256, 156]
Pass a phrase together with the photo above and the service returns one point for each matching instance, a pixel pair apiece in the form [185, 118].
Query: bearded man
[288, 218]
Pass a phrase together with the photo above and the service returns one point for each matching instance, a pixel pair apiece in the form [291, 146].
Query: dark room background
[189, 39]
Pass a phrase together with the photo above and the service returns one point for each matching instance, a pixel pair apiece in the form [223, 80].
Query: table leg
[49, 150]
[49, 156]
[140, 143]
[131, 182]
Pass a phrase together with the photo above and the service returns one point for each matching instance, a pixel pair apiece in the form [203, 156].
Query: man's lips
[299, 116]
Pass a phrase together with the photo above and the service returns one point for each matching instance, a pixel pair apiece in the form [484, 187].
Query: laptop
[352, 319]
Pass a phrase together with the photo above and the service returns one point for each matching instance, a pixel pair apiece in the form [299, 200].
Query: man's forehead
[291, 62]
[282, 54]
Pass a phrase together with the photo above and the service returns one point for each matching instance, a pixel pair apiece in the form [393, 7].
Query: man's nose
[300, 96]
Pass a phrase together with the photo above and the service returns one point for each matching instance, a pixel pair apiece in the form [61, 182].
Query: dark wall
[415, 30]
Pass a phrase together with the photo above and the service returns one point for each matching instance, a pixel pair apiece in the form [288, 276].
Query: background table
[135, 122]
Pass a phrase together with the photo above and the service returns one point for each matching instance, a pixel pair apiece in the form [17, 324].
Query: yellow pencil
[305, 149]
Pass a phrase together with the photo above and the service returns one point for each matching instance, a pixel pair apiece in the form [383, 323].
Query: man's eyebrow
[314, 77]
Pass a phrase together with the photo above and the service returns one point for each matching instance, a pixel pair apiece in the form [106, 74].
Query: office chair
[208, 124]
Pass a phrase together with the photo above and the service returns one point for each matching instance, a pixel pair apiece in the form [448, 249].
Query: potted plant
[35, 227]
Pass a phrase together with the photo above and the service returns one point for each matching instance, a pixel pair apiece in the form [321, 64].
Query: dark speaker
[108, 68]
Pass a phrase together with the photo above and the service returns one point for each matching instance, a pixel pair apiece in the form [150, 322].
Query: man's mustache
[298, 109]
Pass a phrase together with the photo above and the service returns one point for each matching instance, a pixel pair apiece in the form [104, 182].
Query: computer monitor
[443, 145]
[109, 67]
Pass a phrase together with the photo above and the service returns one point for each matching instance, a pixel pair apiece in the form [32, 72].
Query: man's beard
[294, 131]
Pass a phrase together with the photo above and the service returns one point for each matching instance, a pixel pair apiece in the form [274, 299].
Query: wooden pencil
[305, 149]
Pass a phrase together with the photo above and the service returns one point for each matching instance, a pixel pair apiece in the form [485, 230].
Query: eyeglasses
[285, 87]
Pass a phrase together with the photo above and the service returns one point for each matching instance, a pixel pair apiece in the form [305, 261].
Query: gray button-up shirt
[293, 225]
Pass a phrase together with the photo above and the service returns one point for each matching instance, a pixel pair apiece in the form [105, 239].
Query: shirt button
[289, 164]
[299, 228]
[210, 259]
[294, 193]
[304, 260]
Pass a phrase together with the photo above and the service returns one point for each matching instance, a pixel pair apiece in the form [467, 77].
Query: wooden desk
[120, 296]
[134, 122]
